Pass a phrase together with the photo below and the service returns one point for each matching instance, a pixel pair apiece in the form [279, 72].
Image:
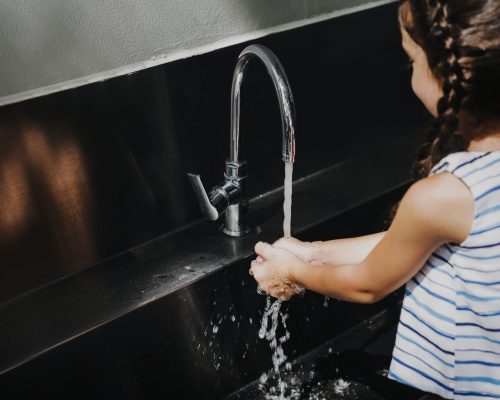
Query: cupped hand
[306, 251]
[273, 271]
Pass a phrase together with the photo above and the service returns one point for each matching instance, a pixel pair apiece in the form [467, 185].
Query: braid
[461, 40]
[443, 137]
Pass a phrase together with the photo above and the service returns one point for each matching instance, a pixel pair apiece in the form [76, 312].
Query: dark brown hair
[461, 39]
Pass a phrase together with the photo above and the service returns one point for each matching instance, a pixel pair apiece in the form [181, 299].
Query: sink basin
[202, 341]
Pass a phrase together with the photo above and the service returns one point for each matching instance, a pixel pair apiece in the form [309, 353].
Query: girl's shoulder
[480, 172]
[445, 203]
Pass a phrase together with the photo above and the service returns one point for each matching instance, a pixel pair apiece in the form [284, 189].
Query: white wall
[51, 45]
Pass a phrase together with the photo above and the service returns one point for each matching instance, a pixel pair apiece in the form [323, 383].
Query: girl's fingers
[264, 250]
[256, 269]
[288, 243]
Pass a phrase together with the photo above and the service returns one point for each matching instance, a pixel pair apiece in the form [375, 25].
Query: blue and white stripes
[448, 339]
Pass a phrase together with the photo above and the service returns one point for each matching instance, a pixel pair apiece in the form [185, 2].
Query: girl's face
[423, 83]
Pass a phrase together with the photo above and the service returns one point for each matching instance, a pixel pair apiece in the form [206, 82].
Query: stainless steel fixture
[231, 196]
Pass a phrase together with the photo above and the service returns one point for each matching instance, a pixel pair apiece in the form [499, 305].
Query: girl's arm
[434, 211]
[334, 252]
[348, 251]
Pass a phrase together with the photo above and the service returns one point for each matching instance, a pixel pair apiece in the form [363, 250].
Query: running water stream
[287, 203]
[286, 381]
[272, 316]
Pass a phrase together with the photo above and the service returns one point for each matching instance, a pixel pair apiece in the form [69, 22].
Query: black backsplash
[90, 172]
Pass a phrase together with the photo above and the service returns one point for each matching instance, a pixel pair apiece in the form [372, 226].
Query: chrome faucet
[231, 196]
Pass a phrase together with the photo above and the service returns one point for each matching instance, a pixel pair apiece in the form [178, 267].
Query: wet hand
[273, 271]
[306, 251]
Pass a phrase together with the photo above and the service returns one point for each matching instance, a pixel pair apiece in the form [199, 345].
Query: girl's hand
[306, 251]
[273, 271]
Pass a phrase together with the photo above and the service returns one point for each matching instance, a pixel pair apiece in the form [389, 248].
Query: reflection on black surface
[45, 196]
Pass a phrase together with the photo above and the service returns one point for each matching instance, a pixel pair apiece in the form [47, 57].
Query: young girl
[444, 241]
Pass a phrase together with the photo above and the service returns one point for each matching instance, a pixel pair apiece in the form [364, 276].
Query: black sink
[202, 342]
[179, 317]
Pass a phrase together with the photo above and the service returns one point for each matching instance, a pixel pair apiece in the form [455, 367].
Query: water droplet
[216, 329]
[341, 385]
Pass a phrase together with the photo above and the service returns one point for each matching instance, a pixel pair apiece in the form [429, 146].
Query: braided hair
[444, 136]
[461, 40]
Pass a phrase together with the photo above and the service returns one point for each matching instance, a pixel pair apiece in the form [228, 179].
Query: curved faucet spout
[231, 198]
[285, 98]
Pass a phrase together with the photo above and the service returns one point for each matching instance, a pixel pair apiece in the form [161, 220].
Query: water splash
[268, 330]
[341, 385]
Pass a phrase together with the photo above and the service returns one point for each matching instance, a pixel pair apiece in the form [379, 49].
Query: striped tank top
[448, 337]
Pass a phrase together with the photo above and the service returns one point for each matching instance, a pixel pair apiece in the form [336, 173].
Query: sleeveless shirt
[448, 336]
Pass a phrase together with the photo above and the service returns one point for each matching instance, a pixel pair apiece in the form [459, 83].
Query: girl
[444, 241]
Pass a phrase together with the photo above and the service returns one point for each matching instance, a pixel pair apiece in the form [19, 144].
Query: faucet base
[252, 230]
[235, 233]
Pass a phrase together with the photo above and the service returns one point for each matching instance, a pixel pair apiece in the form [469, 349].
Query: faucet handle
[206, 206]
[213, 206]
